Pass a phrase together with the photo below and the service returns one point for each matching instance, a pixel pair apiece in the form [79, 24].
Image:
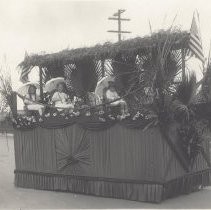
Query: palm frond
[82, 76]
[6, 91]
[123, 67]
[187, 89]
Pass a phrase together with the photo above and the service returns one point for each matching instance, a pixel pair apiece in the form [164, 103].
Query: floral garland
[22, 121]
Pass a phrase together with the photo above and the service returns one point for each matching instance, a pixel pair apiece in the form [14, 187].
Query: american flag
[195, 44]
[25, 71]
[24, 74]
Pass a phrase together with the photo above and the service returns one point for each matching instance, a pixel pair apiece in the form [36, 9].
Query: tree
[5, 87]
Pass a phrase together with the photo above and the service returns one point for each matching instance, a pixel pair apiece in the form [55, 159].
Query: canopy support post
[41, 84]
[103, 67]
[14, 108]
[183, 64]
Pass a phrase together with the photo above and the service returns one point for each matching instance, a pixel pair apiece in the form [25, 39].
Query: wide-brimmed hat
[23, 90]
[103, 84]
[52, 84]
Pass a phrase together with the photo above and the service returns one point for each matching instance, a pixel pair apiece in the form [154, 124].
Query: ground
[19, 198]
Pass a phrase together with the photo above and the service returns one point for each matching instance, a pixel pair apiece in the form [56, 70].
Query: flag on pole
[195, 43]
[25, 71]
[24, 74]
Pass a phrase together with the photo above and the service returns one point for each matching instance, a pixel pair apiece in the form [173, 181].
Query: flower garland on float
[23, 121]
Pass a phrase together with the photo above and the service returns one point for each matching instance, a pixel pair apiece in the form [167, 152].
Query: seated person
[61, 99]
[111, 95]
[91, 100]
[31, 98]
[94, 99]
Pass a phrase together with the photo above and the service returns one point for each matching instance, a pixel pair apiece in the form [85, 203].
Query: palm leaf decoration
[206, 84]
[184, 97]
[6, 92]
[187, 89]
[55, 68]
[127, 70]
[123, 68]
[165, 63]
[82, 76]
[155, 67]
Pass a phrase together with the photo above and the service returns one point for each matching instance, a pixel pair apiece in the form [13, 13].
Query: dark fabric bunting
[96, 125]
[136, 124]
[59, 122]
[93, 123]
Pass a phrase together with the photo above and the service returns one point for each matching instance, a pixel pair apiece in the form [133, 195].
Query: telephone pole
[117, 16]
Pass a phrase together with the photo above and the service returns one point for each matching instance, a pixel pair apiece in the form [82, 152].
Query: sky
[39, 26]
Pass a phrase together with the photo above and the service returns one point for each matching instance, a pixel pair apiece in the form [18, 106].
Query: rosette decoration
[72, 156]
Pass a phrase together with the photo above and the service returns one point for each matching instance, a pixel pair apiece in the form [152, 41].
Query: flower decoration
[71, 115]
[111, 117]
[134, 118]
[119, 117]
[88, 114]
[127, 114]
[102, 119]
[14, 120]
[54, 114]
[101, 112]
[47, 115]
[77, 113]
[34, 120]
[146, 117]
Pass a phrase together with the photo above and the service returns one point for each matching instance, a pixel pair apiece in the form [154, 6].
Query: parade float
[160, 150]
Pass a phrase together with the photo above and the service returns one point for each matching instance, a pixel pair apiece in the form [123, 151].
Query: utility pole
[117, 16]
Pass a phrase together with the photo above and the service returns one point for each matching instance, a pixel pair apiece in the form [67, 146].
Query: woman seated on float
[91, 103]
[61, 100]
[31, 100]
[93, 99]
[112, 95]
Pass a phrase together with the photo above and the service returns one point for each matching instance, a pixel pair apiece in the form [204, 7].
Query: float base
[114, 188]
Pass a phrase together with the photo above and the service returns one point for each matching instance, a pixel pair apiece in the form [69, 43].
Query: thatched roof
[133, 46]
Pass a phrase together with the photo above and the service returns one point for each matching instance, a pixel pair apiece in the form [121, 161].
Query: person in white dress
[61, 99]
[31, 100]
[94, 99]
[111, 95]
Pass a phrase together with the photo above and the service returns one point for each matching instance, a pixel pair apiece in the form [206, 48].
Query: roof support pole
[103, 67]
[41, 83]
[183, 64]
[14, 104]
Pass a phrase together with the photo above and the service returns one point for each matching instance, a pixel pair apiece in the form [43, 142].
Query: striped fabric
[195, 44]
